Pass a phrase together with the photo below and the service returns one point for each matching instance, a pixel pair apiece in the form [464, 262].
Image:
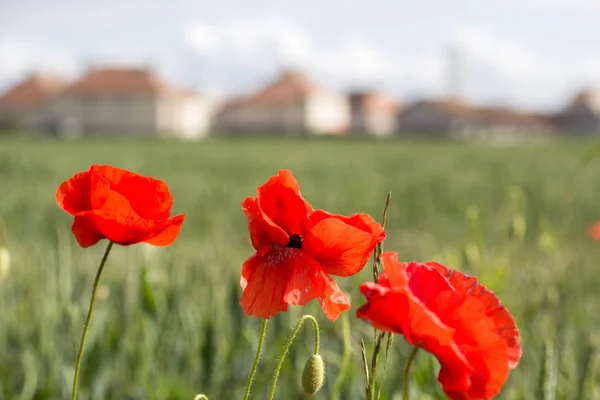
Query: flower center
[295, 241]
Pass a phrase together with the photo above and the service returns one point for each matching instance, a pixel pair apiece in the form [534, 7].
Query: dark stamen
[295, 241]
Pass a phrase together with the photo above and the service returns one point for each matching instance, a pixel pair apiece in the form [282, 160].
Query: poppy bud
[4, 263]
[313, 376]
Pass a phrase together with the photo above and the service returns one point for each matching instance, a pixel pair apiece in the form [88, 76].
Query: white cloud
[507, 57]
[357, 60]
[203, 38]
[262, 41]
[18, 58]
[264, 44]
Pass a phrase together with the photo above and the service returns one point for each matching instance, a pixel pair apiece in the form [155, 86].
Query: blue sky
[527, 53]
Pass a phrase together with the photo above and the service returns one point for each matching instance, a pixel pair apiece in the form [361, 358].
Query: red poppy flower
[451, 315]
[298, 248]
[119, 205]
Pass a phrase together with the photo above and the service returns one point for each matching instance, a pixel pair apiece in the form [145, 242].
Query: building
[373, 113]
[290, 104]
[582, 115]
[24, 107]
[130, 101]
[458, 119]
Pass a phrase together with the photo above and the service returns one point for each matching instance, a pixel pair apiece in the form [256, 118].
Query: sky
[532, 54]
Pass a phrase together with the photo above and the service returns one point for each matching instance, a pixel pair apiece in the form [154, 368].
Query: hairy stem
[261, 341]
[287, 348]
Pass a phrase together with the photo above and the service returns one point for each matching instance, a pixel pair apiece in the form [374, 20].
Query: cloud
[261, 45]
[357, 60]
[507, 57]
[18, 58]
[261, 42]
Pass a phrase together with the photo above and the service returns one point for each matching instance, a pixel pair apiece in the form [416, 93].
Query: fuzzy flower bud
[313, 376]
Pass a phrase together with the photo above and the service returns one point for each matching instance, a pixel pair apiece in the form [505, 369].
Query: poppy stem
[261, 341]
[287, 348]
[87, 320]
[407, 369]
[379, 248]
[374, 359]
[346, 357]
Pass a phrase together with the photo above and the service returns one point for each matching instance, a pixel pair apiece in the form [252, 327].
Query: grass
[168, 324]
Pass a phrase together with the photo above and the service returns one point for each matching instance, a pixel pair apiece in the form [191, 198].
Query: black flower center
[295, 241]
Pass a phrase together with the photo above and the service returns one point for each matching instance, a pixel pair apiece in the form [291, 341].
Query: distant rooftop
[110, 81]
[372, 100]
[31, 92]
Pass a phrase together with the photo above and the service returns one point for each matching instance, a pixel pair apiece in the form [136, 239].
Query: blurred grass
[168, 323]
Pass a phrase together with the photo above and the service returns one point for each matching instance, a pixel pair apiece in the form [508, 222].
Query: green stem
[261, 341]
[87, 321]
[287, 348]
[375, 358]
[345, 357]
[407, 369]
[390, 339]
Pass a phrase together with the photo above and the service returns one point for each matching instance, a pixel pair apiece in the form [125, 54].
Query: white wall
[121, 115]
[184, 117]
[263, 118]
[380, 123]
[327, 113]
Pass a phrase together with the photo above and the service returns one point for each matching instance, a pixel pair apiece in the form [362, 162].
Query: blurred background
[480, 118]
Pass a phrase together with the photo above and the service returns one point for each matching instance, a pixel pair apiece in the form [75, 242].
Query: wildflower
[298, 248]
[594, 231]
[452, 316]
[119, 205]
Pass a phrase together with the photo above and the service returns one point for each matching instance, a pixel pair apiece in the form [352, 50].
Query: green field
[168, 322]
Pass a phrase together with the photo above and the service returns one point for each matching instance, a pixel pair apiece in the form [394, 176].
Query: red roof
[122, 81]
[290, 87]
[31, 93]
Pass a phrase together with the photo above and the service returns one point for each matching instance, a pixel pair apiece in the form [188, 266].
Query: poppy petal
[506, 327]
[425, 283]
[125, 229]
[85, 231]
[395, 275]
[280, 199]
[361, 221]
[149, 197]
[398, 311]
[332, 300]
[73, 195]
[377, 309]
[168, 234]
[476, 335]
[263, 232]
[282, 276]
[264, 282]
[341, 245]
[104, 198]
